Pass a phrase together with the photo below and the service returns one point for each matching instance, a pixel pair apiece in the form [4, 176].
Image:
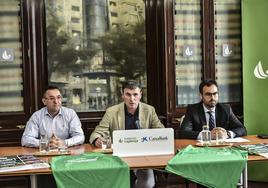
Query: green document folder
[211, 167]
[90, 170]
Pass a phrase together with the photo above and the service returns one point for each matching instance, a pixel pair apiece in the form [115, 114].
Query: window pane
[91, 50]
[188, 50]
[11, 79]
[228, 49]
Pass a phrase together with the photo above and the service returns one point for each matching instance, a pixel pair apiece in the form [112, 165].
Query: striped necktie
[211, 121]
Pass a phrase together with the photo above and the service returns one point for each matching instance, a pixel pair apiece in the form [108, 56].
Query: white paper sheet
[238, 139]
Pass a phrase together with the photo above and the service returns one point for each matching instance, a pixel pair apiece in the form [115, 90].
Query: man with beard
[219, 117]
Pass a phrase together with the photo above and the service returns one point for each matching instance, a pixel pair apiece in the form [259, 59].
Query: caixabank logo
[259, 72]
[153, 138]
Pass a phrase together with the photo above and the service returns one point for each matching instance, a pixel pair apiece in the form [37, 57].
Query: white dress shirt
[212, 110]
[65, 125]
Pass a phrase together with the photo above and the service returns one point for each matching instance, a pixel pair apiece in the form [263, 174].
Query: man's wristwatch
[229, 134]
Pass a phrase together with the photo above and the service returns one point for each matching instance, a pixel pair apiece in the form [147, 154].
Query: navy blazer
[195, 118]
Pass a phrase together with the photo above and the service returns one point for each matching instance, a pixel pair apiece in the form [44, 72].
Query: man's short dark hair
[50, 88]
[130, 84]
[207, 83]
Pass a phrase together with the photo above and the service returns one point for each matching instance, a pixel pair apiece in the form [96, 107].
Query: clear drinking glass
[106, 141]
[205, 136]
[44, 144]
[220, 137]
[63, 147]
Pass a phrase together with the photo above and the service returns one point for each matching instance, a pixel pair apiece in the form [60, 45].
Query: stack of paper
[21, 162]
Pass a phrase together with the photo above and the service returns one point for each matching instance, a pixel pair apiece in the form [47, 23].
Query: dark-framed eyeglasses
[208, 94]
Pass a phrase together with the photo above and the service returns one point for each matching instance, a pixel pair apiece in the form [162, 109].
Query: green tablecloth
[211, 167]
[90, 170]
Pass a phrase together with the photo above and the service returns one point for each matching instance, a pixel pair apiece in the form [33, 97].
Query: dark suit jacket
[195, 118]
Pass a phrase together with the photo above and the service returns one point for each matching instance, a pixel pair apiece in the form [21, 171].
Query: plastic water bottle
[205, 136]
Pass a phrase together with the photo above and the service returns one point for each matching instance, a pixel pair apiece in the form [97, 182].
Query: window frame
[208, 70]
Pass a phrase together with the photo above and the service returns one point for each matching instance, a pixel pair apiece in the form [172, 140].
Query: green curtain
[255, 75]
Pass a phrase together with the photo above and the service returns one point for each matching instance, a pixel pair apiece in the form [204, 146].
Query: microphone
[137, 123]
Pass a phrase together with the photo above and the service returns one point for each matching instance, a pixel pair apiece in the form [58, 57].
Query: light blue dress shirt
[65, 125]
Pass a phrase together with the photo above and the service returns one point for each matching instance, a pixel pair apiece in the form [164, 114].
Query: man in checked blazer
[197, 115]
[130, 114]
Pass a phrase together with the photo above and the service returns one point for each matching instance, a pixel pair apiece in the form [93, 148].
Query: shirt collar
[129, 114]
[207, 110]
[46, 112]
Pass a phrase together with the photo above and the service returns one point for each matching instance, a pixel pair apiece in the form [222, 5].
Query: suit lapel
[218, 116]
[202, 116]
[121, 117]
[141, 116]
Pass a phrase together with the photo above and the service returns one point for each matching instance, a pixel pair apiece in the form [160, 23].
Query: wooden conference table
[142, 162]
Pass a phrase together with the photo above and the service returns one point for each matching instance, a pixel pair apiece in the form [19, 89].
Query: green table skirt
[90, 170]
[211, 167]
